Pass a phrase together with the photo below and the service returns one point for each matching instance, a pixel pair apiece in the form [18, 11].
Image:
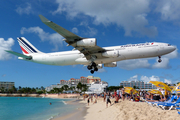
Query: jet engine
[111, 54]
[89, 42]
[113, 64]
[99, 66]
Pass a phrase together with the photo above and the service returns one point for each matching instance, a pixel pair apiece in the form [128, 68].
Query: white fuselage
[133, 51]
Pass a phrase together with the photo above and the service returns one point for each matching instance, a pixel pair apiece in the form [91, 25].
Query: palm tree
[79, 86]
[2, 90]
[84, 87]
[14, 90]
[66, 87]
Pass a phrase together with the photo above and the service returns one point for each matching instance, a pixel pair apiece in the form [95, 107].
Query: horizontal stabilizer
[19, 55]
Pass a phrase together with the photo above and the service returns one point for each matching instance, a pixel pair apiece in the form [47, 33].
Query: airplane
[86, 52]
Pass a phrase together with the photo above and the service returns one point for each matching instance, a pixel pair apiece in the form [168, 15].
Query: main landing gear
[92, 67]
[159, 59]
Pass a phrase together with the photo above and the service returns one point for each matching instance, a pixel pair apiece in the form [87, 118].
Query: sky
[112, 23]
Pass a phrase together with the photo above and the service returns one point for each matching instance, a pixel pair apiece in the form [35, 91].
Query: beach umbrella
[172, 87]
[176, 89]
[155, 92]
[129, 89]
[161, 85]
[135, 91]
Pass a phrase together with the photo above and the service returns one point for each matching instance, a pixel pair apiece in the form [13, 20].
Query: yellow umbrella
[135, 91]
[177, 88]
[129, 89]
[155, 92]
[171, 87]
[161, 85]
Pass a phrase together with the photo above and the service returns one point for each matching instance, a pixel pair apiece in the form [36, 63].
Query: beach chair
[168, 101]
[178, 109]
[170, 105]
[173, 98]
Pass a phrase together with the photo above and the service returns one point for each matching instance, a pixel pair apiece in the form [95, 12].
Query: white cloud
[5, 45]
[147, 79]
[55, 38]
[75, 30]
[133, 78]
[167, 81]
[24, 9]
[169, 9]
[129, 14]
[133, 64]
[90, 31]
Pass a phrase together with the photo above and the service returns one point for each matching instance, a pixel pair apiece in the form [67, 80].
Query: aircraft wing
[19, 55]
[72, 38]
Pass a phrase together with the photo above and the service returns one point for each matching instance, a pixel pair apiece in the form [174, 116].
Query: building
[74, 81]
[51, 87]
[97, 87]
[84, 80]
[139, 84]
[6, 85]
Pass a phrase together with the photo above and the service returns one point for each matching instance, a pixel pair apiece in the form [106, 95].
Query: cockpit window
[169, 44]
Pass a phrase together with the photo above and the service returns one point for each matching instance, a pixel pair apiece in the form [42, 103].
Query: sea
[31, 108]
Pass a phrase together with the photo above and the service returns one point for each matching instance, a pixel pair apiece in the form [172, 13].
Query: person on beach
[108, 99]
[84, 97]
[123, 94]
[91, 98]
[88, 100]
[95, 101]
[104, 96]
[115, 93]
[116, 99]
[120, 93]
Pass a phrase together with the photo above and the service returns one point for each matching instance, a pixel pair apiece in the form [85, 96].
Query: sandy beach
[124, 110]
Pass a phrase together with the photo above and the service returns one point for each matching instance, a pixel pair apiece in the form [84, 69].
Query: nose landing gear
[92, 67]
[159, 59]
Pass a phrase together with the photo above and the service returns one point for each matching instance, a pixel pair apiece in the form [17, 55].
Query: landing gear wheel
[93, 64]
[92, 71]
[95, 69]
[159, 60]
[89, 67]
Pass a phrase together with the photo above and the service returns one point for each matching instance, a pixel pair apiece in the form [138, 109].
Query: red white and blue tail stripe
[26, 46]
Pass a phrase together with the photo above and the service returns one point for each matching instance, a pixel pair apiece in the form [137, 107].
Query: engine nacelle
[99, 66]
[111, 54]
[113, 64]
[89, 42]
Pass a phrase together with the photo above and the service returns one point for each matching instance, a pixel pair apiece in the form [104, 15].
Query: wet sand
[77, 114]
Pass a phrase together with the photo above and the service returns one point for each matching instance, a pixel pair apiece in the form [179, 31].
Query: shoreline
[40, 95]
[79, 112]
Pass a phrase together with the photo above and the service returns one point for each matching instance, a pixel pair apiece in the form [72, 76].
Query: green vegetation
[24, 90]
[112, 88]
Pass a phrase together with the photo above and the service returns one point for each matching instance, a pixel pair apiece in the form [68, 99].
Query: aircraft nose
[173, 48]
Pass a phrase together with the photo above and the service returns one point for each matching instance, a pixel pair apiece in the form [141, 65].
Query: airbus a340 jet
[86, 51]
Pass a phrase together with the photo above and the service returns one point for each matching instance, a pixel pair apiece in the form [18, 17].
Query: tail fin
[26, 46]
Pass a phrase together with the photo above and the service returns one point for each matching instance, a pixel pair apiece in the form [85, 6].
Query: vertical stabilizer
[26, 46]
